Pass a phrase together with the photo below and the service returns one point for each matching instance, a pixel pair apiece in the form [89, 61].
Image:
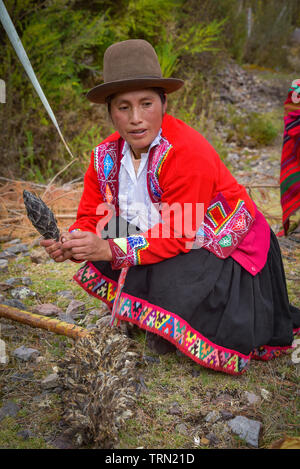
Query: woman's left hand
[87, 246]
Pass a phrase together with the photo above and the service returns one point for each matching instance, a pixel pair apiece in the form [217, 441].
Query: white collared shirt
[134, 201]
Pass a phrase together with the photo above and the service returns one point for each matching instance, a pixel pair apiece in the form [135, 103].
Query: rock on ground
[66, 294]
[20, 293]
[66, 318]
[15, 304]
[51, 381]
[75, 308]
[25, 353]
[212, 417]
[246, 429]
[17, 248]
[47, 309]
[3, 265]
[19, 280]
[251, 398]
[9, 409]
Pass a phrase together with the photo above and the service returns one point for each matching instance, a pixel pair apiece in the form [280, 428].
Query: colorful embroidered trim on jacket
[106, 167]
[169, 326]
[126, 251]
[156, 161]
[223, 228]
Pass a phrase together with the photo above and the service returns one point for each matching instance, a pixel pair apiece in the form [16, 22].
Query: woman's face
[137, 116]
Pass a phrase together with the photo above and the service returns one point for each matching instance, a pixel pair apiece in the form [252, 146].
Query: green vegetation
[65, 41]
[11, 439]
[258, 129]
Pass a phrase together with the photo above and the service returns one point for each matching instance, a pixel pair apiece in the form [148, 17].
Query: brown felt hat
[131, 65]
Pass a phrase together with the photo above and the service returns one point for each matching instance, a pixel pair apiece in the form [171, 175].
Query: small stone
[28, 376]
[3, 265]
[48, 309]
[212, 417]
[175, 409]
[66, 318]
[66, 294]
[148, 358]
[4, 286]
[246, 429]
[196, 372]
[18, 281]
[14, 241]
[90, 327]
[13, 281]
[6, 328]
[226, 415]
[213, 440]
[4, 255]
[95, 312]
[21, 293]
[17, 248]
[26, 281]
[4, 358]
[51, 381]
[105, 321]
[9, 409]
[25, 434]
[251, 397]
[15, 304]
[224, 397]
[25, 353]
[181, 428]
[75, 308]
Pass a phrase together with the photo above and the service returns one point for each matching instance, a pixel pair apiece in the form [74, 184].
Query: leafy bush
[261, 130]
[253, 128]
[65, 41]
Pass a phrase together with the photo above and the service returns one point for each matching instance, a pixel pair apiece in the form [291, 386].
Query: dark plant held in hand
[41, 216]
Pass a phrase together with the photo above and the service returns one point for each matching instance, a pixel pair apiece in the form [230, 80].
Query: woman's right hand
[55, 251]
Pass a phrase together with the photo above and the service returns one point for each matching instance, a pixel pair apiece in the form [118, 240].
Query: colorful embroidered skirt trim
[170, 326]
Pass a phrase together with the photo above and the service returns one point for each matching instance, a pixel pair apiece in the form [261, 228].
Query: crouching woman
[186, 255]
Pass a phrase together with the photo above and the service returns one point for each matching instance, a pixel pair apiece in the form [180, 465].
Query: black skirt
[211, 309]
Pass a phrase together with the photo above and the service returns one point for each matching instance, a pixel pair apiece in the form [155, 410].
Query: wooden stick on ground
[42, 322]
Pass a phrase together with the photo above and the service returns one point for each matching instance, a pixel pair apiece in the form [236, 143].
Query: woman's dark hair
[160, 91]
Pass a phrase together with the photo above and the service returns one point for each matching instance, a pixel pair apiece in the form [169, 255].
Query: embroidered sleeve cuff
[126, 251]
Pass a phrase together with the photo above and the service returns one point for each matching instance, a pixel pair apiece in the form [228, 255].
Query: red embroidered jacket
[184, 171]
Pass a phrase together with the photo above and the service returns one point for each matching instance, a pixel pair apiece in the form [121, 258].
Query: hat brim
[99, 93]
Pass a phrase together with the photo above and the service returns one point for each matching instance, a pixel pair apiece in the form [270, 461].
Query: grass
[10, 439]
[170, 380]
